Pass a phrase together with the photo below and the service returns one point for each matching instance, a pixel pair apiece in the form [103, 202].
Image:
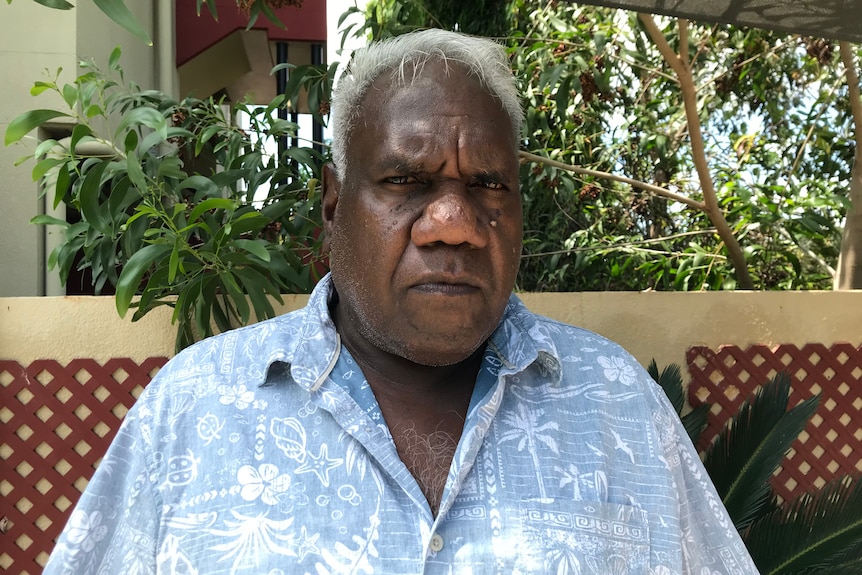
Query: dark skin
[425, 236]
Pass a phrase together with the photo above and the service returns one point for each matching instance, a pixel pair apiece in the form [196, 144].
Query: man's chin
[451, 352]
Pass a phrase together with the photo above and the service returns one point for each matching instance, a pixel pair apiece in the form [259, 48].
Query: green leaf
[170, 167]
[90, 199]
[297, 77]
[202, 184]
[56, 4]
[134, 270]
[44, 166]
[149, 117]
[211, 5]
[29, 121]
[64, 180]
[114, 59]
[94, 110]
[203, 306]
[744, 457]
[254, 247]
[237, 296]
[210, 204]
[117, 11]
[270, 14]
[257, 285]
[78, 132]
[70, 95]
[46, 220]
[174, 262]
[40, 87]
[670, 380]
[820, 532]
[136, 173]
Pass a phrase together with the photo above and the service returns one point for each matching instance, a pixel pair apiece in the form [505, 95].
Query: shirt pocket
[585, 537]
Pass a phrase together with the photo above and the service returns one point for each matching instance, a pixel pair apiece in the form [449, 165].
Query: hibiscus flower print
[86, 530]
[263, 482]
[237, 394]
[617, 368]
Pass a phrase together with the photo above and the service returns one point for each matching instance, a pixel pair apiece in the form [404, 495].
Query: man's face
[425, 228]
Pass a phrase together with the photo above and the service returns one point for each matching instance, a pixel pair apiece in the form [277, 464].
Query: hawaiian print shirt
[263, 451]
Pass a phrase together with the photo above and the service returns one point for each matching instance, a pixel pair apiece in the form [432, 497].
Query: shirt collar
[307, 344]
[521, 341]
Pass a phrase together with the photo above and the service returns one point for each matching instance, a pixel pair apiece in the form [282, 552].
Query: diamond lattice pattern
[57, 422]
[831, 445]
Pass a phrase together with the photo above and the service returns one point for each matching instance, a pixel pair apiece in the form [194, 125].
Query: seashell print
[290, 437]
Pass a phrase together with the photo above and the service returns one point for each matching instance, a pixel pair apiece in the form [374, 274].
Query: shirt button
[436, 542]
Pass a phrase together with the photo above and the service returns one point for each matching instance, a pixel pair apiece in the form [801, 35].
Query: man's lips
[447, 286]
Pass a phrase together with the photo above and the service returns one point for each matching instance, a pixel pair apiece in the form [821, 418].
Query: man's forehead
[428, 73]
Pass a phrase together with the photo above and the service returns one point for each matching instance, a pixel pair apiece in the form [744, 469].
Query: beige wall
[32, 39]
[650, 325]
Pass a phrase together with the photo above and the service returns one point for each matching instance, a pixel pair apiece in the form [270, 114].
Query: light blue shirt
[263, 451]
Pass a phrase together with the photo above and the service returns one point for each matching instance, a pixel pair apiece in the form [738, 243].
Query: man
[414, 417]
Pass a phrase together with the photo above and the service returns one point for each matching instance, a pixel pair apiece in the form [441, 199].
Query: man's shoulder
[586, 357]
[561, 335]
[244, 350]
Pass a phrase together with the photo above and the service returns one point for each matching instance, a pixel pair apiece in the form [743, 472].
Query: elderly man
[414, 417]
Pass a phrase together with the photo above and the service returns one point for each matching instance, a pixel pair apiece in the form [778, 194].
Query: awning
[836, 19]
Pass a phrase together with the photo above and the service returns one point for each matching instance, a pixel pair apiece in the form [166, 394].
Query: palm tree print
[527, 431]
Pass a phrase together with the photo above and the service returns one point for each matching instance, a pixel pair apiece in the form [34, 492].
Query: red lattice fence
[831, 445]
[57, 422]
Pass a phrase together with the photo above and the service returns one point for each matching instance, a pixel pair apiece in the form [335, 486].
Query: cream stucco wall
[34, 39]
[649, 325]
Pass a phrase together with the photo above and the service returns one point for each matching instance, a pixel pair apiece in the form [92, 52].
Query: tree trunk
[849, 274]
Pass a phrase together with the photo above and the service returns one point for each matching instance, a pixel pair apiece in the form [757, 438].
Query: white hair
[407, 54]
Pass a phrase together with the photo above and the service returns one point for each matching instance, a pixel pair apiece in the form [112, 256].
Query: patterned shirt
[263, 451]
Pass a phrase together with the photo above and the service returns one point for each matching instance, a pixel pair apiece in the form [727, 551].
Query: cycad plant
[820, 531]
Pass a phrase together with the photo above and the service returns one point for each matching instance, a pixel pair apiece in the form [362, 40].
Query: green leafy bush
[177, 203]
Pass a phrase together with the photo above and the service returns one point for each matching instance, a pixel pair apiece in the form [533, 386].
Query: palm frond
[819, 532]
[695, 421]
[670, 380]
[746, 454]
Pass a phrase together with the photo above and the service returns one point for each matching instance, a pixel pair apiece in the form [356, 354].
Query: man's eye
[401, 180]
[490, 184]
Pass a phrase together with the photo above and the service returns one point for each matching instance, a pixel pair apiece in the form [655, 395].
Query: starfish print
[307, 544]
[319, 465]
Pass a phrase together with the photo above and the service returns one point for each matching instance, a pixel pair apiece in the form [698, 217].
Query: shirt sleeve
[710, 542]
[114, 526]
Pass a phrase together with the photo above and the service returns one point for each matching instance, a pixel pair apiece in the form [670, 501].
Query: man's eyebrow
[401, 164]
[490, 176]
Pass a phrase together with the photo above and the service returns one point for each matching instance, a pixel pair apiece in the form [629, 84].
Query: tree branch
[698, 150]
[659, 191]
[850, 261]
[622, 245]
[683, 42]
[853, 87]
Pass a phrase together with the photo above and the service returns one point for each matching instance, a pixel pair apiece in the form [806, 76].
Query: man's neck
[424, 407]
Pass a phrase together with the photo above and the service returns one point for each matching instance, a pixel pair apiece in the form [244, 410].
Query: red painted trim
[196, 34]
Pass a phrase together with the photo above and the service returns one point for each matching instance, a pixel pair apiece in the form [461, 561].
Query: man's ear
[330, 191]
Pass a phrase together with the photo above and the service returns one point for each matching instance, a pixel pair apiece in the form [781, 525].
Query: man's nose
[451, 217]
